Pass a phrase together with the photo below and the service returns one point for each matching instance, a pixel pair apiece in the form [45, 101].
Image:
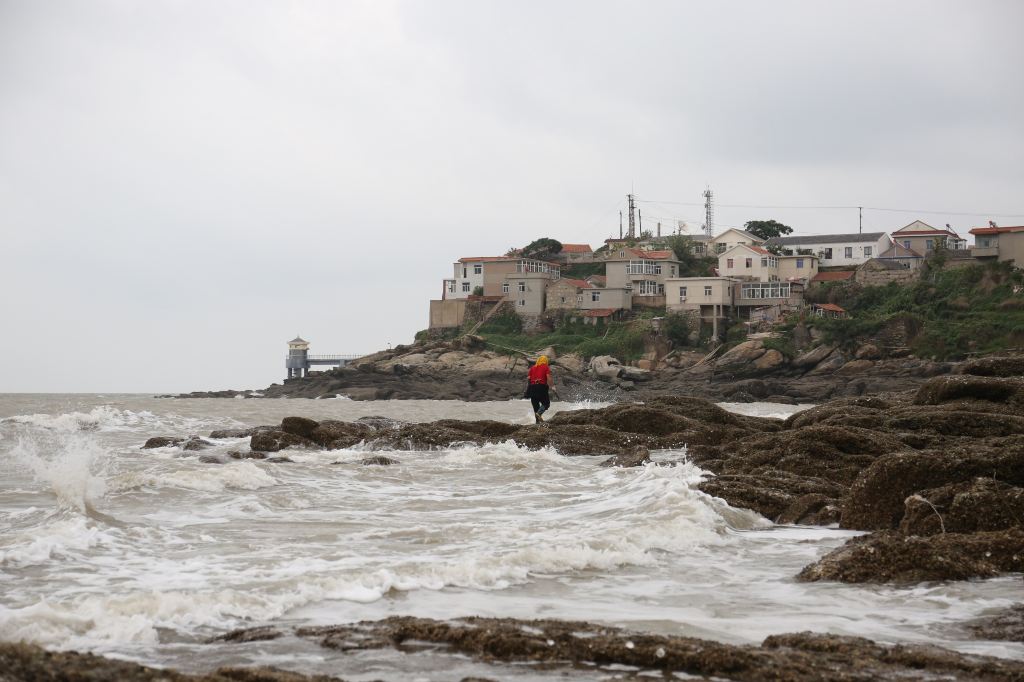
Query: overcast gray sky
[184, 186]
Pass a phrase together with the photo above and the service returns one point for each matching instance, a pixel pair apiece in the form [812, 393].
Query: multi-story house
[1000, 243]
[732, 238]
[642, 273]
[834, 249]
[522, 281]
[921, 237]
[748, 277]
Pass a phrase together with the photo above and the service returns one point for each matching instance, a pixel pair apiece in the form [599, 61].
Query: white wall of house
[839, 253]
[468, 276]
[745, 262]
[526, 291]
[797, 267]
[690, 293]
[615, 298]
[732, 238]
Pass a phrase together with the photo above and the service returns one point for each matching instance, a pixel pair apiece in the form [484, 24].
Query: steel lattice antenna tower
[632, 217]
[709, 212]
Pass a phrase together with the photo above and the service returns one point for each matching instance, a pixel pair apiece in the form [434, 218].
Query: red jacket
[540, 374]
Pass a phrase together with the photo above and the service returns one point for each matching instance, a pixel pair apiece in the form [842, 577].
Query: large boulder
[743, 354]
[635, 374]
[162, 442]
[335, 434]
[854, 367]
[299, 426]
[1010, 366]
[274, 441]
[830, 364]
[772, 359]
[605, 367]
[638, 457]
[876, 499]
[813, 356]
[889, 556]
[982, 504]
[945, 389]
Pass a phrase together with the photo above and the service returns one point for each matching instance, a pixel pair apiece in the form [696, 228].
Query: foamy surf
[145, 553]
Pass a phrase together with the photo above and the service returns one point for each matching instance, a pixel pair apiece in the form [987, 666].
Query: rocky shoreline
[934, 477]
[468, 369]
[554, 646]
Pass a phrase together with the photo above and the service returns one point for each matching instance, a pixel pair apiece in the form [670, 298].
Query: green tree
[766, 229]
[691, 263]
[542, 248]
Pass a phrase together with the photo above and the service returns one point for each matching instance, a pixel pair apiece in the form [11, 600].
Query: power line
[992, 214]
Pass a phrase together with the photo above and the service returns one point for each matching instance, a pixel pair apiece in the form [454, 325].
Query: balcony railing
[984, 251]
[553, 271]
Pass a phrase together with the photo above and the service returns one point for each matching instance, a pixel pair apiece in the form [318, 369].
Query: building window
[764, 262]
[595, 296]
[765, 290]
[650, 288]
[579, 299]
[929, 244]
[828, 254]
[504, 287]
[719, 248]
[906, 243]
[451, 287]
[728, 263]
[749, 262]
[673, 271]
[561, 299]
[867, 252]
[522, 303]
[799, 263]
[522, 286]
[465, 286]
[682, 293]
[707, 291]
[848, 252]
[478, 268]
[643, 267]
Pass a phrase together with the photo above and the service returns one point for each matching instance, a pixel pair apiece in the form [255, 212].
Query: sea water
[146, 554]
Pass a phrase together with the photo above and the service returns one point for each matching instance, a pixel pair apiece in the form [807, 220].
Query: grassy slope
[961, 310]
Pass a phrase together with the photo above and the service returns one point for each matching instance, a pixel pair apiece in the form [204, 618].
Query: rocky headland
[471, 369]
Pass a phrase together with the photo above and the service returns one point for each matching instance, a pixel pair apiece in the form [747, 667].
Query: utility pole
[640, 220]
[860, 220]
[620, 224]
[709, 211]
[632, 216]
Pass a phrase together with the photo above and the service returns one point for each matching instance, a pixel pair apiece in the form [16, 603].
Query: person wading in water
[537, 390]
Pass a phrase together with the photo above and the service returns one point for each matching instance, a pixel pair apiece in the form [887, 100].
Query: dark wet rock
[965, 387]
[771, 493]
[378, 423]
[162, 442]
[30, 663]
[235, 454]
[240, 433]
[982, 504]
[1007, 625]
[279, 460]
[890, 556]
[1007, 366]
[379, 460]
[813, 356]
[336, 434]
[876, 499]
[210, 459]
[811, 509]
[258, 634]
[299, 426]
[195, 443]
[273, 441]
[638, 457]
[796, 657]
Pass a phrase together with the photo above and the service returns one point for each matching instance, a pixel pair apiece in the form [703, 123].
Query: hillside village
[734, 276]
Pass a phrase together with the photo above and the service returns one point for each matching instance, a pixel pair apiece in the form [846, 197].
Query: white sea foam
[71, 468]
[207, 478]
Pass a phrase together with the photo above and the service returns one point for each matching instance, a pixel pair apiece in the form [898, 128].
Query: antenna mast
[709, 211]
[632, 217]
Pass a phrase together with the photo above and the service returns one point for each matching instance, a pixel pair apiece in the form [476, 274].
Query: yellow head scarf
[542, 360]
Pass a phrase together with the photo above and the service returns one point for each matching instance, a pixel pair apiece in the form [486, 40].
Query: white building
[834, 249]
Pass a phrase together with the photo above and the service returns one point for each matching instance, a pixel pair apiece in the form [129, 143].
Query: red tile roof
[576, 248]
[758, 249]
[833, 276]
[599, 312]
[996, 230]
[832, 307]
[598, 278]
[578, 283]
[483, 259]
[923, 233]
[652, 255]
